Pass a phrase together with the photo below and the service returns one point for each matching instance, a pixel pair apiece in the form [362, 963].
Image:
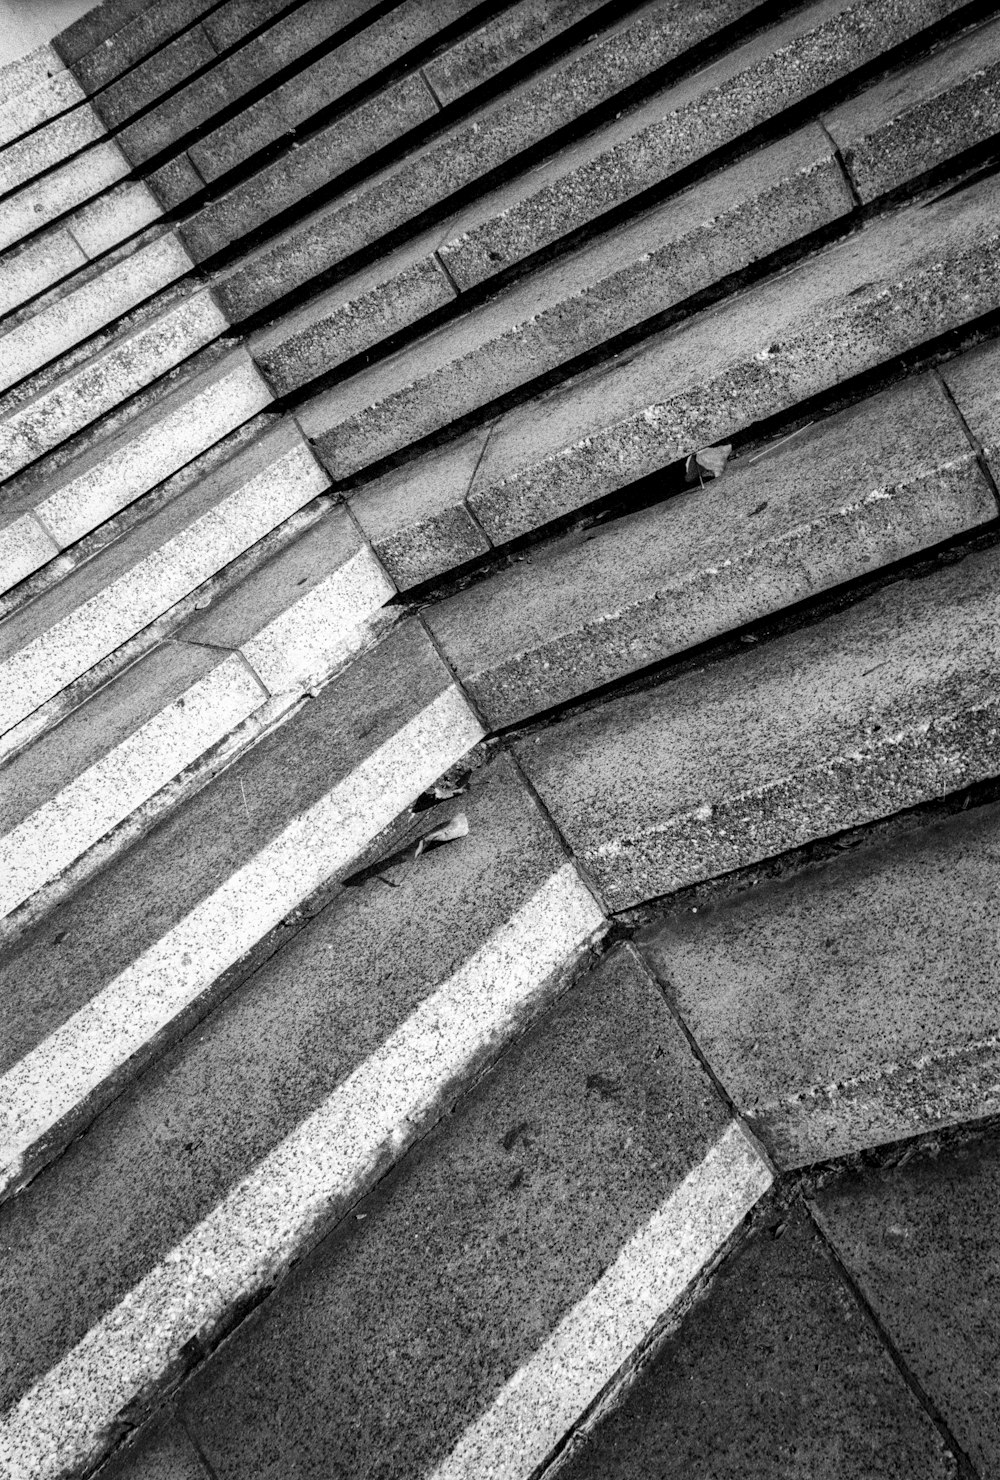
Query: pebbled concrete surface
[465, 1258]
[871, 710]
[778, 1374]
[972, 380]
[501, 42]
[882, 480]
[922, 1244]
[854, 1003]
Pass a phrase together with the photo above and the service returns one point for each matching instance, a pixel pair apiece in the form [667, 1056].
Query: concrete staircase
[499, 738]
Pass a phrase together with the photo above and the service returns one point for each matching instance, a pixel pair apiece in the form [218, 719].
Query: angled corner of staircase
[499, 740]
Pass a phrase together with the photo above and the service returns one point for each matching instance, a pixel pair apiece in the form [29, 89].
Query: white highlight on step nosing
[63, 652]
[56, 834]
[65, 1069]
[259, 1226]
[325, 626]
[539, 1405]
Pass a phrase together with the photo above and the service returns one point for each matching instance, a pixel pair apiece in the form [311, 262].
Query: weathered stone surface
[113, 217]
[416, 518]
[528, 114]
[526, 1198]
[778, 68]
[46, 199]
[97, 26]
[776, 1374]
[125, 42]
[869, 711]
[389, 295]
[972, 380]
[164, 1454]
[891, 476]
[919, 118]
[37, 265]
[306, 26]
[922, 1244]
[854, 1003]
[24, 546]
[572, 307]
[21, 111]
[166, 70]
[503, 40]
[175, 182]
[894, 285]
[48, 146]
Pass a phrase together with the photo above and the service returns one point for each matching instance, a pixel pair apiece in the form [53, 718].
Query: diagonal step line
[246, 1242]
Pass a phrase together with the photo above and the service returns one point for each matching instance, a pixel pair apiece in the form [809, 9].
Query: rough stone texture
[175, 182]
[854, 1003]
[306, 166]
[109, 377]
[355, 315]
[554, 99]
[306, 26]
[416, 518]
[777, 1374]
[97, 26]
[502, 41]
[919, 118]
[167, 69]
[922, 1245]
[898, 283]
[747, 86]
[159, 1160]
[356, 61]
[872, 710]
[24, 73]
[113, 217]
[24, 546]
[150, 447]
[144, 29]
[50, 96]
[111, 597]
[891, 476]
[972, 380]
[523, 1200]
[36, 266]
[165, 1453]
[57, 192]
[47, 146]
[64, 322]
[582, 301]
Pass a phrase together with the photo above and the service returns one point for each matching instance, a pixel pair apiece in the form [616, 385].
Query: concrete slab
[919, 118]
[51, 196]
[165, 71]
[24, 547]
[21, 111]
[503, 40]
[38, 265]
[523, 118]
[640, 270]
[777, 69]
[533, 1200]
[233, 22]
[49, 643]
[416, 518]
[49, 145]
[894, 285]
[335, 1009]
[109, 377]
[877, 708]
[193, 896]
[164, 1454]
[138, 30]
[921, 1242]
[388, 296]
[113, 217]
[777, 1373]
[880, 481]
[972, 380]
[853, 1004]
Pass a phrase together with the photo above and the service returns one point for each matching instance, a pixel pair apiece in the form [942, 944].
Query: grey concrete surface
[972, 380]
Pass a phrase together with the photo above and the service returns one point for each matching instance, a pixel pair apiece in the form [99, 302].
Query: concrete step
[52, 144]
[35, 89]
[891, 476]
[642, 269]
[557, 98]
[36, 420]
[515, 1259]
[228, 673]
[875, 709]
[54, 507]
[117, 35]
[340, 1055]
[48, 197]
[65, 321]
[53, 640]
[896, 284]
[826, 1004]
[779, 1369]
[181, 909]
[53, 255]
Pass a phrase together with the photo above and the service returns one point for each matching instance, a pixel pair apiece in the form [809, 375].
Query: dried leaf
[707, 462]
[456, 827]
[444, 790]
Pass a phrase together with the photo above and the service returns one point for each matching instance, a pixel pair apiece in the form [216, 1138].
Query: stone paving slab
[918, 119]
[164, 1453]
[184, 904]
[860, 715]
[855, 1003]
[113, 38]
[336, 1021]
[534, 1199]
[167, 69]
[748, 86]
[921, 1243]
[52, 641]
[972, 380]
[777, 197]
[47, 146]
[522, 119]
[894, 285]
[50, 95]
[54, 194]
[503, 40]
[871, 485]
[778, 1373]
